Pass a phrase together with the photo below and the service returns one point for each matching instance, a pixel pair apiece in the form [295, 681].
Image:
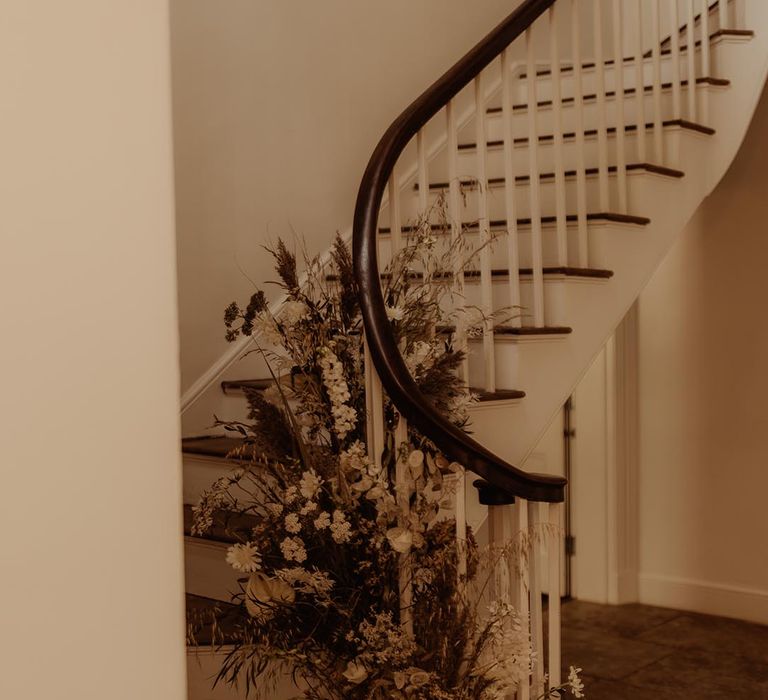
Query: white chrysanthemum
[292, 523]
[310, 484]
[293, 549]
[395, 313]
[244, 557]
[341, 529]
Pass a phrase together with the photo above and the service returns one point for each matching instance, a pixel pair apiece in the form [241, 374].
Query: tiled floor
[636, 652]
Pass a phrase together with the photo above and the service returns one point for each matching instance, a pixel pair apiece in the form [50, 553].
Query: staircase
[524, 139]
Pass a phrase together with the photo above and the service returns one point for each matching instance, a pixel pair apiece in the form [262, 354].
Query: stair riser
[544, 83]
[206, 571]
[202, 666]
[467, 158]
[569, 115]
[556, 290]
[496, 199]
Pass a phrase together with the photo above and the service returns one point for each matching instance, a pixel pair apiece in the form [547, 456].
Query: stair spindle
[423, 180]
[705, 58]
[691, 37]
[642, 151]
[602, 117]
[521, 578]
[535, 184]
[395, 226]
[403, 495]
[513, 243]
[674, 41]
[454, 214]
[658, 120]
[618, 88]
[581, 168]
[722, 6]
[534, 587]
[554, 549]
[557, 114]
[484, 230]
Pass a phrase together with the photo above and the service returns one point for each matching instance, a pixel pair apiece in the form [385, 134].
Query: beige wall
[704, 402]
[277, 107]
[90, 547]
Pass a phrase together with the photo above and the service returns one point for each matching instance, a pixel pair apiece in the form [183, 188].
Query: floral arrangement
[326, 534]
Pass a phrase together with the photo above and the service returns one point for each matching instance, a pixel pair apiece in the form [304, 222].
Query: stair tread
[484, 396]
[526, 221]
[682, 123]
[523, 106]
[648, 167]
[568, 68]
[219, 446]
[557, 271]
[238, 385]
[201, 611]
[513, 331]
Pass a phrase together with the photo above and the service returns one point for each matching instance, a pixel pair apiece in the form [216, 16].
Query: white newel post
[90, 527]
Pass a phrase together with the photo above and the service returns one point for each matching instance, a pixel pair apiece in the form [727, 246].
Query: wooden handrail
[389, 364]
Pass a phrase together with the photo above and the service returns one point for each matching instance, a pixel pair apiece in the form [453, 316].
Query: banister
[389, 364]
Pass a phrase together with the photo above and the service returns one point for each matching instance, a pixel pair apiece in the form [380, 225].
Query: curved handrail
[382, 344]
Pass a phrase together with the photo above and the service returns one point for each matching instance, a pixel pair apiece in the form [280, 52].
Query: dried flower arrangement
[325, 532]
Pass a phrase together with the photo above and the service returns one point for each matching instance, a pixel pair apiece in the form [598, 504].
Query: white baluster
[534, 574]
[461, 525]
[513, 243]
[403, 493]
[642, 151]
[618, 69]
[581, 168]
[602, 118]
[374, 401]
[723, 8]
[521, 576]
[691, 36]
[535, 184]
[423, 180]
[674, 42]
[706, 61]
[557, 113]
[554, 549]
[454, 214]
[395, 227]
[658, 131]
[496, 538]
[484, 229]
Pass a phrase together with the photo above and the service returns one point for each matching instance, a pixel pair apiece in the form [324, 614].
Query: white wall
[91, 603]
[278, 105]
[704, 406]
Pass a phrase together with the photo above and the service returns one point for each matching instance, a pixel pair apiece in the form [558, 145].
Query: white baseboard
[705, 597]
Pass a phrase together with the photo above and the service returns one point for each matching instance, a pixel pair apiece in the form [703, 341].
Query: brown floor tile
[606, 656]
[705, 633]
[622, 620]
[701, 675]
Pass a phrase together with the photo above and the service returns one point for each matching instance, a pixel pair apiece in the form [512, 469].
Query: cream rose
[400, 539]
[262, 592]
[355, 672]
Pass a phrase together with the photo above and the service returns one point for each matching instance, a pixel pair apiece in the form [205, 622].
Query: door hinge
[570, 545]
